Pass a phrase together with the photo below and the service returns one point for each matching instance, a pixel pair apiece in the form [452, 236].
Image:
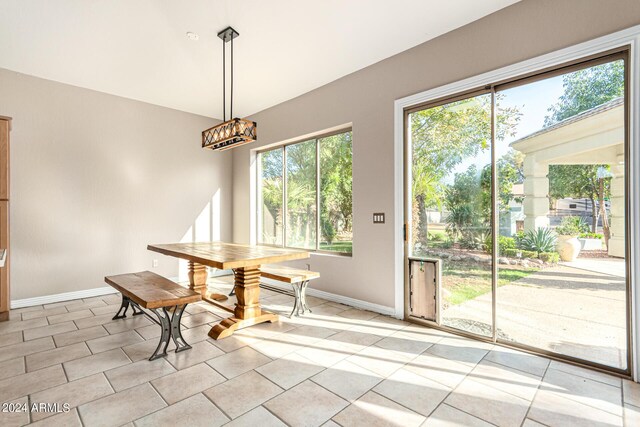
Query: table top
[228, 255]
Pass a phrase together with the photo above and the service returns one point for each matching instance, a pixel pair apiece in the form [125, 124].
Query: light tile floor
[336, 366]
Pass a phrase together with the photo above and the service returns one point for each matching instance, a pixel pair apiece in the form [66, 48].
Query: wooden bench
[299, 280]
[153, 292]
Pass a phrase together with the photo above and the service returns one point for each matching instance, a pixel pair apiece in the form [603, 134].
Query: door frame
[580, 52]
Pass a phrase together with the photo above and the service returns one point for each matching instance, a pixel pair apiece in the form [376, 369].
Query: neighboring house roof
[578, 117]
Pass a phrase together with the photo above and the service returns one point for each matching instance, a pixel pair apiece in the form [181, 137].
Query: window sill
[311, 251]
[332, 254]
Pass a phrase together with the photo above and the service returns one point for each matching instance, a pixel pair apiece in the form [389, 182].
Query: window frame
[316, 138]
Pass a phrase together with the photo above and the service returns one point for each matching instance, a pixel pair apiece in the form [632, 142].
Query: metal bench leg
[176, 334]
[296, 303]
[136, 308]
[303, 297]
[123, 308]
[165, 324]
[126, 303]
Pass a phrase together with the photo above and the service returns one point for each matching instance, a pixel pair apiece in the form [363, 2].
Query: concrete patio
[563, 309]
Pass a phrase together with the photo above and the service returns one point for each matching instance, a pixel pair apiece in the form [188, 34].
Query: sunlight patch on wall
[206, 228]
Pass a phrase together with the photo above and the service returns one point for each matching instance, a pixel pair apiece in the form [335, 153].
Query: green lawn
[345, 247]
[466, 281]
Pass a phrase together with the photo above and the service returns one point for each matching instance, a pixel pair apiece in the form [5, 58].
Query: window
[305, 194]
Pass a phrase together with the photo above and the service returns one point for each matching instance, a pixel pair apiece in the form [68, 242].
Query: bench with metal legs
[300, 307]
[166, 299]
[299, 280]
[169, 323]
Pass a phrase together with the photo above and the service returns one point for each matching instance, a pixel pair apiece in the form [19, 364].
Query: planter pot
[590, 244]
[568, 247]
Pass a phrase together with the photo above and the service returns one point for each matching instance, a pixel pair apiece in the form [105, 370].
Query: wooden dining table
[245, 261]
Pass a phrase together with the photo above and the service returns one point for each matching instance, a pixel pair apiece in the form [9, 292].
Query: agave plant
[539, 240]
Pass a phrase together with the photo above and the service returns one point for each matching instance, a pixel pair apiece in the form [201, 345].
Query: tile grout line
[630, 404]
[503, 391]
[413, 411]
[453, 389]
[569, 396]
[280, 394]
[584, 377]
[526, 415]
[157, 392]
[464, 378]
[517, 369]
[214, 403]
[89, 401]
[274, 414]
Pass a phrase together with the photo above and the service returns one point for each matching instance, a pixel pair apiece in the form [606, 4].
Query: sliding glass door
[451, 205]
[519, 193]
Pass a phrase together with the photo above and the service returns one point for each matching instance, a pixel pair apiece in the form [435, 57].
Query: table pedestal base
[247, 311]
[198, 282]
[229, 325]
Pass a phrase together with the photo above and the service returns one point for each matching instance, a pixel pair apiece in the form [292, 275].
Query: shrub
[510, 253]
[436, 236]
[504, 243]
[447, 244]
[572, 226]
[550, 257]
[473, 239]
[328, 231]
[519, 253]
[468, 242]
[540, 240]
[591, 236]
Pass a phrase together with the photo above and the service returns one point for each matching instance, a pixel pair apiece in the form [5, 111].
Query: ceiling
[138, 48]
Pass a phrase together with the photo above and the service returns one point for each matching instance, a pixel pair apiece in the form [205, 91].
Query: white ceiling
[138, 48]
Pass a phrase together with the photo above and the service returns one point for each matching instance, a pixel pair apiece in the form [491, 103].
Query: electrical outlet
[154, 263]
[378, 218]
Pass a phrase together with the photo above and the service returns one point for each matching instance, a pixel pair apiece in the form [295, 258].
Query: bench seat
[157, 294]
[299, 280]
[150, 290]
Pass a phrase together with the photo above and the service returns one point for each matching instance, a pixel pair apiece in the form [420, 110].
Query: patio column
[616, 222]
[536, 190]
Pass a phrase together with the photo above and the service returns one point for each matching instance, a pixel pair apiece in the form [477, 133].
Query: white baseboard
[66, 296]
[364, 305]
[88, 293]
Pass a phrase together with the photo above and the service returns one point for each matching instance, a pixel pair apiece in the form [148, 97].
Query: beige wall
[366, 98]
[95, 178]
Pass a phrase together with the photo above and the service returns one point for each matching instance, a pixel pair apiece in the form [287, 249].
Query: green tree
[271, 183]
[468, 218]
[336, 182]
[578, 181]
[443, 137]
[509, 172]
[301, 194]
[587, 88]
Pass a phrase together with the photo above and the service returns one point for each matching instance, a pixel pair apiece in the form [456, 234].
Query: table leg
[198, 282]
[247, 311]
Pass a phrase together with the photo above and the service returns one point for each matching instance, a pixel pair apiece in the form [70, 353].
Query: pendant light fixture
[233, 132]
